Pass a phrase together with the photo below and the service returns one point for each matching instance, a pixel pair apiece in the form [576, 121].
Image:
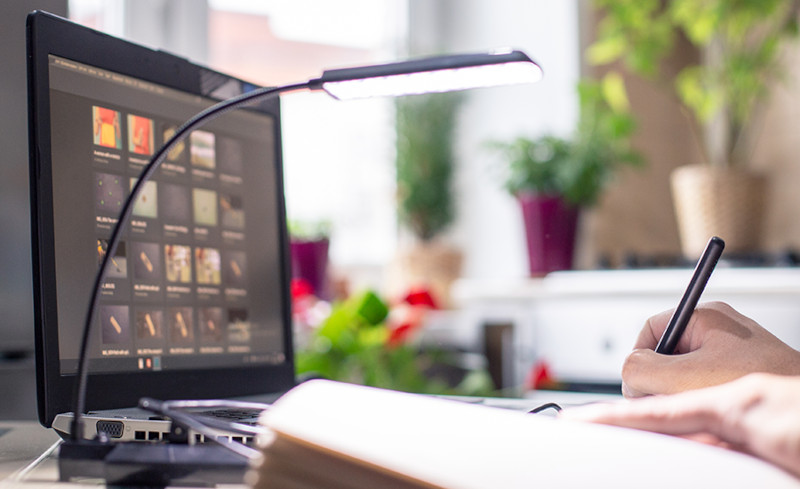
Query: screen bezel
[52, 35]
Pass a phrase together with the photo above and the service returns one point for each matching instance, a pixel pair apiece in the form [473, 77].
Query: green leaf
[616, 96]
[424, 162]
[336, 325]
[699, 19]
[371, 308]
[606, 50]
[691, 88]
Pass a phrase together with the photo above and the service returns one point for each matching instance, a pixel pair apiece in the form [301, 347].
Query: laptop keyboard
[244, 416]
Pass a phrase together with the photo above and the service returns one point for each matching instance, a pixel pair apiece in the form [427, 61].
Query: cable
[198, 120]
[549, 405]
[192, 422]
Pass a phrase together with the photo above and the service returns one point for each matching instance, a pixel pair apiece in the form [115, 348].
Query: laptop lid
[196, 303]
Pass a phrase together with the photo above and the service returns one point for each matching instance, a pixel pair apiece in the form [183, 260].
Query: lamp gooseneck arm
[207, 115]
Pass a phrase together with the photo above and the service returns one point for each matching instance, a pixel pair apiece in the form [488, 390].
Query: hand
[718, 345]
[756, 414]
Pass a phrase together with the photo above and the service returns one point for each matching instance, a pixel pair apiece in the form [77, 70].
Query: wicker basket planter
[713, 201]
[430, 265]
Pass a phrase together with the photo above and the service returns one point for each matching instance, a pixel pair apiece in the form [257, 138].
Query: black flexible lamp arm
[198, 120]
[435, 74]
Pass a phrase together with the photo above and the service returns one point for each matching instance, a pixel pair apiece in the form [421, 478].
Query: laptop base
[150, 464]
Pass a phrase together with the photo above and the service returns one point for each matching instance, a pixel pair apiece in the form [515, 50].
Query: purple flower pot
[550, 227]
[310, 263]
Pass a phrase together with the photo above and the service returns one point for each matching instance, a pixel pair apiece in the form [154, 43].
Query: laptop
[196, 302]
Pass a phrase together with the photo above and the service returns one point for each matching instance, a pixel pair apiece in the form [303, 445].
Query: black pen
[680, 318]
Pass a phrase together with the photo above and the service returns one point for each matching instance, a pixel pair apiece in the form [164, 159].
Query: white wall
[489, 226]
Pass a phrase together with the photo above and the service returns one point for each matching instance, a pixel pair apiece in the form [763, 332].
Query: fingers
[646, 372]
[718, 345]
[657, 414]
[701, 320]
[756, 414]
[688, 413]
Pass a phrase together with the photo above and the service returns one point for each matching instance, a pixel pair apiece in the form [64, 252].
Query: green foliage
[740, 38]
[355, 344]
[535, 165]
[578, 168]
[425, 125]
[309, 230]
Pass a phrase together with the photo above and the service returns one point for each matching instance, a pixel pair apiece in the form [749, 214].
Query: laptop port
[111, 428]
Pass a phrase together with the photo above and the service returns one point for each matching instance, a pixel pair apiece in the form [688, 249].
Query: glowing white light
[436, 81]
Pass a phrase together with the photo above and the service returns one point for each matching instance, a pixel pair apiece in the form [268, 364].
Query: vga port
[113, 429]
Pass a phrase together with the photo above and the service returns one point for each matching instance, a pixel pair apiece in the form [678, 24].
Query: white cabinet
[583, 324]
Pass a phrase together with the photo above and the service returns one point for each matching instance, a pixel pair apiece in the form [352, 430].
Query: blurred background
[529, 230]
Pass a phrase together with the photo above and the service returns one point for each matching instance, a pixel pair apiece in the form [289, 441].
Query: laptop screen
[195, 300]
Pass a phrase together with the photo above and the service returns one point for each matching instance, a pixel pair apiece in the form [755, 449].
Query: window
[338, 157]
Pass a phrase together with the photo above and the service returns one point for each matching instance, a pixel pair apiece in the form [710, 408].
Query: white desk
[21, 444]
[28, 451]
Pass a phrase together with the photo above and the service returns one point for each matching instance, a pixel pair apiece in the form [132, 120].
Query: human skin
[756, 414]
[718, 345]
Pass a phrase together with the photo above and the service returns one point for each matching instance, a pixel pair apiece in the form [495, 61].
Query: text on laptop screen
[195, 280]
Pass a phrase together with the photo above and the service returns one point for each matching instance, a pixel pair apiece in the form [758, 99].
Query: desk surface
[21, 443]
[24, 442]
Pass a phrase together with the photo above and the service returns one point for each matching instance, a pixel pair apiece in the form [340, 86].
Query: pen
[680, 318]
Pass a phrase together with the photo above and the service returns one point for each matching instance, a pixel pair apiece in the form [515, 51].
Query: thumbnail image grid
[156, 262]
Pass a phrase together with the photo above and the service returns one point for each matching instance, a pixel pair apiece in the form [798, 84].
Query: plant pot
[714, 201]
[429, 265]
[550, 229]
[310, 263]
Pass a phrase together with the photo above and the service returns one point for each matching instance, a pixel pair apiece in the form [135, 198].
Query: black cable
[198, 120]
[187, 420]
[549, 405]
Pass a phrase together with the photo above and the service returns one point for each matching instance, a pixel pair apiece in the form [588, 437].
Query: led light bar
[435, 74]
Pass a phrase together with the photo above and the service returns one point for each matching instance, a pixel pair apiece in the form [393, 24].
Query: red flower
[540, 377]
[421, 297]
[301, 288]
[399, 335]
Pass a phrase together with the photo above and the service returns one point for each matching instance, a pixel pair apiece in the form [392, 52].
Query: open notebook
[196, 302]
[338, 436]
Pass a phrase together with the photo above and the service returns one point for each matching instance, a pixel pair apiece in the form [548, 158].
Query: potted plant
[739, 43]
[425, 204]
[365, 340]
[553, 177]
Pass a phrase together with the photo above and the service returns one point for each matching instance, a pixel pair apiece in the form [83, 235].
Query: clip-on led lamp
[434, 74]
